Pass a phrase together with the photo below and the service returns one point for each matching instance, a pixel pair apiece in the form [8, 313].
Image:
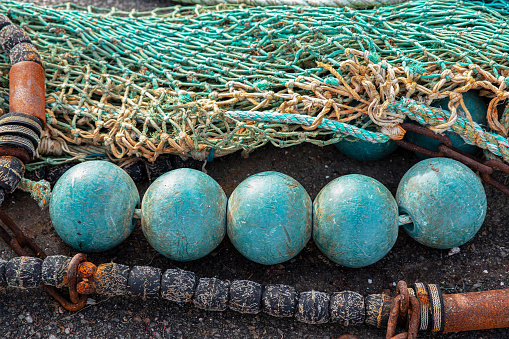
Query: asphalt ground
[481, 264]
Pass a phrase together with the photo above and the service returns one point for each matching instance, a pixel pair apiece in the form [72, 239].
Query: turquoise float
[477, 109]
[355, 220]
[184, 214]
[269, 218]
[92, 206]
[445, 200]
[364, 150]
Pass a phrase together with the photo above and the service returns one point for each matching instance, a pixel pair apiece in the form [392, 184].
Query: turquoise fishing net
[207, 81]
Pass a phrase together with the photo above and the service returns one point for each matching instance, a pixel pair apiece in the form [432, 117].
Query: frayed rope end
[39, 190]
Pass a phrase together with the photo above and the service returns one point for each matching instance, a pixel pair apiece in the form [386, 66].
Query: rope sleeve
[211, 294]
[245, 296]
[178, 285]
[313, 307]
[23, 272]
[279, 300]
[144, 281]
[347, 308]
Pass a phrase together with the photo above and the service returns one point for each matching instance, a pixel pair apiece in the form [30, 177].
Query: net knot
[394, 132]
[268, 95]
[142, 139]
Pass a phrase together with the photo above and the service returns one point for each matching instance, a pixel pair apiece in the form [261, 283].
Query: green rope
[39, 190]
[314, 3]
[297, 119]
[404, 219]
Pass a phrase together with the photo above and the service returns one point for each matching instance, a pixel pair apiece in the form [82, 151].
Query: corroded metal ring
[72, 276]
[414, 314]
[402, 290]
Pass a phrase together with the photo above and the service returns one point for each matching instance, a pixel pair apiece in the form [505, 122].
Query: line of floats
[269, 217]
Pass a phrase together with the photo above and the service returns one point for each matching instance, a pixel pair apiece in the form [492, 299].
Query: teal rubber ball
[445, 200]
[92, 206]
[362, 150]
[183, 214]
[355, 220]
[477, 109]
[269, 218]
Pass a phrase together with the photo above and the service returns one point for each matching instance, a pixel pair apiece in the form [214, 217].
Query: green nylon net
[208, 81]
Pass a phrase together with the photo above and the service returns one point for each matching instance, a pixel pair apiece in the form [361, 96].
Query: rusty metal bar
[72, 276]
[474, 164]
[19, 238]
[26, 89]
[445, 149]
[64, 302]
[462, 312]
[476, 310]
[414, 316]
[409, 126]
[417, 148]
[495, 183]
[18, 234]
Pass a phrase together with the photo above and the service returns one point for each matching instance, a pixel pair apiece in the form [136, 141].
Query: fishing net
[206, 81]
[315, 3]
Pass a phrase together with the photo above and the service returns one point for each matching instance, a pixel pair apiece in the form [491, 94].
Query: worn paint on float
[92, 206]
[269, 218]
[184, 214]
[445, 200]
[355, 220]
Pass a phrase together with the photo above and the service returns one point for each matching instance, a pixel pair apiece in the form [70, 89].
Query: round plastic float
[445, 200]
[355, 220]
[477, 109]
[269, 218]
[184, 214]
[92, 206]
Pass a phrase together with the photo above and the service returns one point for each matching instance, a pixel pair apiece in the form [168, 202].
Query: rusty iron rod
[476, 310]
[465, 311]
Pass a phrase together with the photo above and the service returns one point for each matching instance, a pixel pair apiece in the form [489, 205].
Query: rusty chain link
[18, 242]
[405, 307]
[446, 149]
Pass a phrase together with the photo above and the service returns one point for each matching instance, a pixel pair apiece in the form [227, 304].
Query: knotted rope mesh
[207, 81]
[315, 3]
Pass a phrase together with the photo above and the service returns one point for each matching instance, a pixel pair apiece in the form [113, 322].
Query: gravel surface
[481, 264]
